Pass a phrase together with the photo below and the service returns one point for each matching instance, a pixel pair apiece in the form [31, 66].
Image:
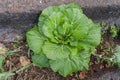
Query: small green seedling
[16, 43]
[2, 60]
[116, 53]
[5, 53]
[113, 31]
[6, 75]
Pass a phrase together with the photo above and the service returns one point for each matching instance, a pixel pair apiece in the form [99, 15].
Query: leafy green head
[63, 39]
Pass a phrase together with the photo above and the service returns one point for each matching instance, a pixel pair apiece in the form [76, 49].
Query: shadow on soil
[95, 13]
[18, 23]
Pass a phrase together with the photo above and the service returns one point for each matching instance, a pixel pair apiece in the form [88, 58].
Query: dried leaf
[74, 79]
[24, 60]
[101, 66]
[3, 49]
[82, 75]
[91, 63]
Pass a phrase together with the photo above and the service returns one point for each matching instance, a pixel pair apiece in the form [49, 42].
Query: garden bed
[97, 71]
[13, 27]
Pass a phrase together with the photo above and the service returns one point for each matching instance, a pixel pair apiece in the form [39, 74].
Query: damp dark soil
[13, 25]
[17, 17]
[97, 70]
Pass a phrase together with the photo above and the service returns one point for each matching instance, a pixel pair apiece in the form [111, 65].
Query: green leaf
[35, 40]
[73, 5]
[68, 65]
[44, 16]
[66, 37]
[83, 24]
[114, 31]
[51, 24]
[10, 52]
[2, 60]
[91, 40]
[40, 60]
[116, 53]
[55, 51]
[94, 36]
[5, 75]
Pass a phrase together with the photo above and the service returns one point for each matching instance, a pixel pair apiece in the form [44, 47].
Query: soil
[97, 70]
[16, 6]
[18, 16]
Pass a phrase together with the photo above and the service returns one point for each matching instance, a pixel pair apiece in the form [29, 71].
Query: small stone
[40, 1]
